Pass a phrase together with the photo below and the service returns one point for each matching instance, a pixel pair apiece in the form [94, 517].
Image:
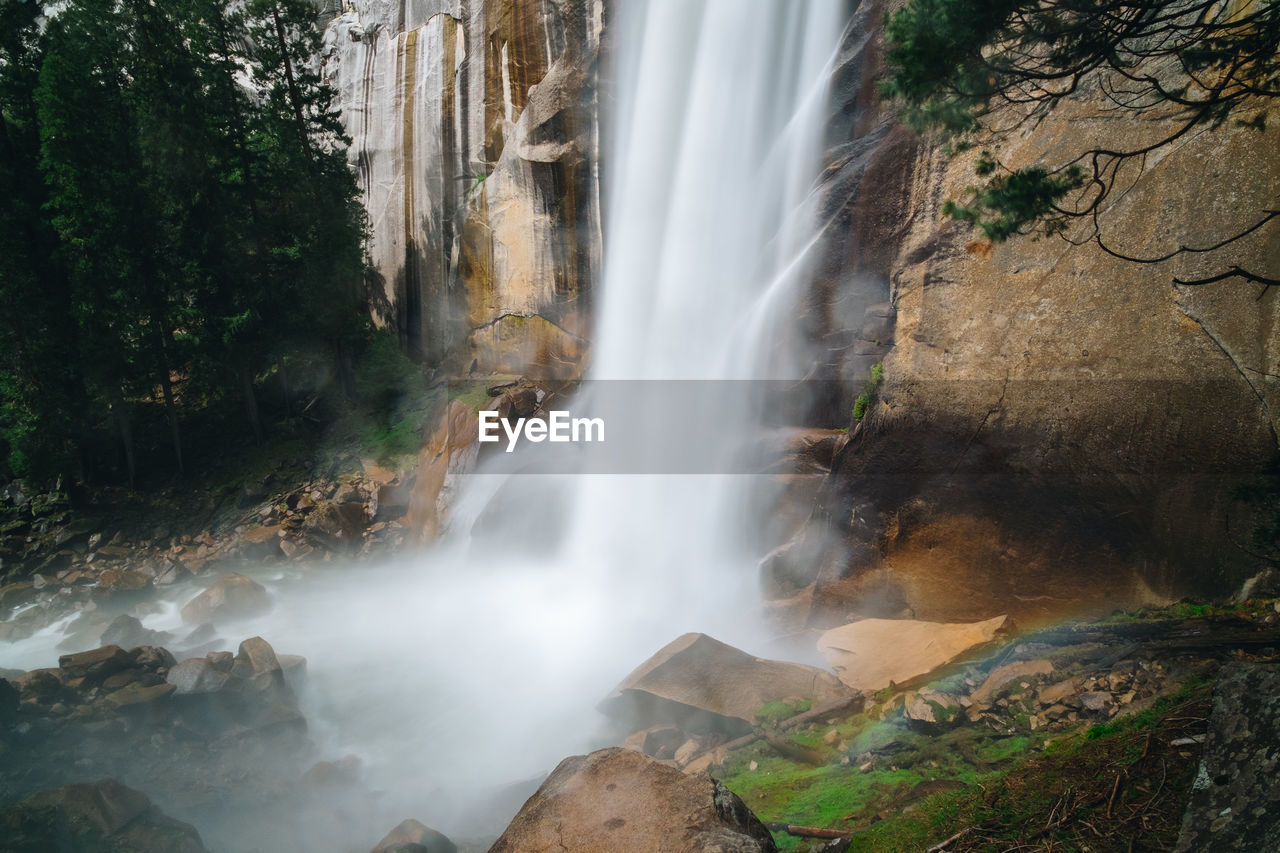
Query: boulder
[196, 676]
[393, 501]
[659, 742]
[701, 684]
[1063, 692]
[245, 692]
[412, 835]
[122, 580]
[294, 668]
[1098, 701]
[930, 712]
[97, 816]
[9, 697]
[619, 801]
[336, 526]
[139, 695]
[1015, 671]
[43, 686]
[232, 596]
[872, 653]
[127, 632]
[95, 666]
[261, 543]
[1233, 803]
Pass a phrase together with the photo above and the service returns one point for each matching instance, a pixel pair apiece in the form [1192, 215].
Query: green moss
[775, 712]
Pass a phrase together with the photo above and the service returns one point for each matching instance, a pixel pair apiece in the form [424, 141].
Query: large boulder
[701, 684]
[413, 836]
[1235, 803]
[94, 667]
[871, 653]
[246, 692]
[232, 596]
[128, 632]
[619, 801]
[99, 817]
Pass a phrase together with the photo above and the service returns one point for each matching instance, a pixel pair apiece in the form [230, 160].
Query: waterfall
[477, 665]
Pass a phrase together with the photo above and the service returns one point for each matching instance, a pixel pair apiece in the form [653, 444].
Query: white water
[479, 664]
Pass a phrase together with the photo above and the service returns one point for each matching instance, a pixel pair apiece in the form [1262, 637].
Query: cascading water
[478, 664]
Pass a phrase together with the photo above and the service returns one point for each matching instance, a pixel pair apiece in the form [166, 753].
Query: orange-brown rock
[450, 451]
[619, 801]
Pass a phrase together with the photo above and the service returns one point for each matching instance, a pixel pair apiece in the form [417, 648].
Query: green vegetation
[896, 789]
[989, 70]
[869, 390]
[176, 252]
[776, 712]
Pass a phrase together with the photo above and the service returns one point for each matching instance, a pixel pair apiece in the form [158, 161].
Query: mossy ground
[1119, 785]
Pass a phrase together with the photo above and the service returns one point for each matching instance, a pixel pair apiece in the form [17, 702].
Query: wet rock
[1062, 692]
[127, 632]
[257, 664]
[196, 676]
[335, 527]
[42, 686]
[619, 801]
[221, 694]
[659, 742]
[929, 711]
[95, 666]
[294, 668]
[1097, 701]
[698, 683]
[99, 816]
[1234, 797]
[332, 774]
[122, 581]
[261, 543]
[9, 698]
[232, 596]
[138, 694]
[871, 653]
[412, 835]
[393, 501]
[1008, 673]
[1265, 584]
[17, 594]
[154, 658]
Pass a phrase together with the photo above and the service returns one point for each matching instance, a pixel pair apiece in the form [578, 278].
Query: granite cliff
[474, 134]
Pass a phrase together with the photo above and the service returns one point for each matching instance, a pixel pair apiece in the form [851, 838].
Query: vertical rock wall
[474, 135]
[1057, 428]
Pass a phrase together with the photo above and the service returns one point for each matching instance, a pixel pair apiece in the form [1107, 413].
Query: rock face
[99, 816]
[1235, 804]
[450, 452]
[701, 684]
[619, 801]
[475, 142]
[1050, 431]
[871, 653]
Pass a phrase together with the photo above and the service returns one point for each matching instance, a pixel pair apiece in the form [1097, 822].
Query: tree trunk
[171, 408]
[126, 439]
[285, 387]
[295, 96]
[251, 403]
